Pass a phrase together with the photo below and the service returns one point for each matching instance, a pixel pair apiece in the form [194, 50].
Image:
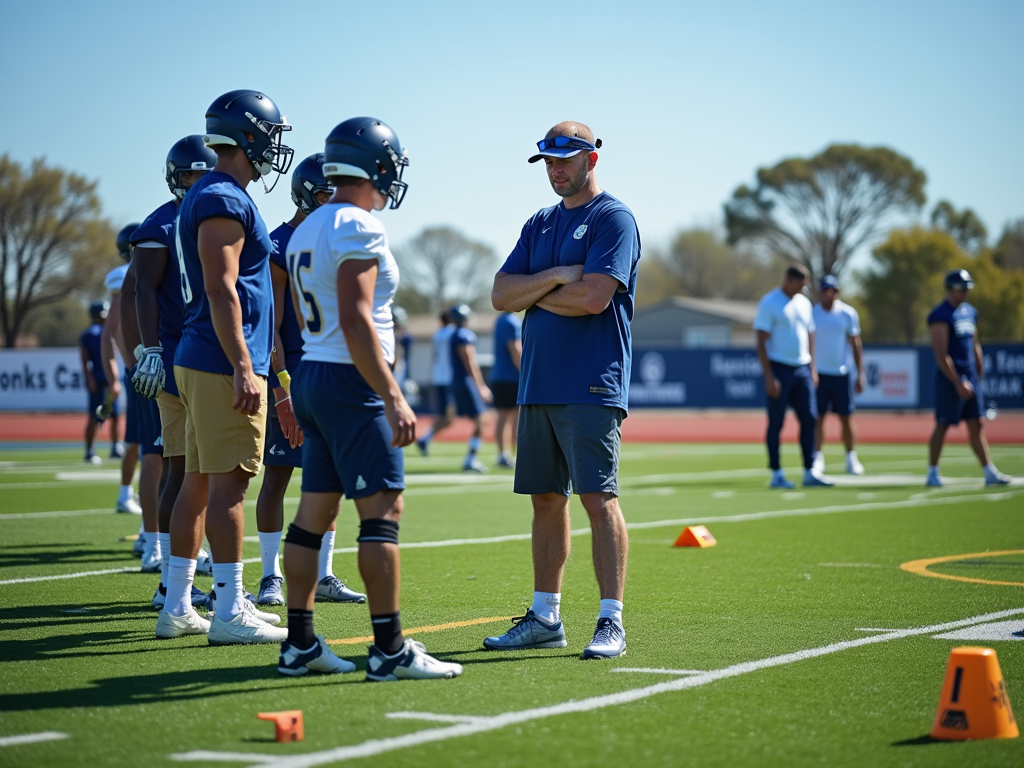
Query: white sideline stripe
[432, 717]
[741, 518]
[496, 722]
[32, 738]
[660, 671]
[60, 513]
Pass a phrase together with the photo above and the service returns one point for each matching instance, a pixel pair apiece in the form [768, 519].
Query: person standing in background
[508, 351]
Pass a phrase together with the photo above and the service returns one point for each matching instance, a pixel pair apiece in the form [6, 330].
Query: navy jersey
[217, 195]
[291, 334]
[963, 323]
[461, 338]
[90, 339]
[507, 328]
[583, 359]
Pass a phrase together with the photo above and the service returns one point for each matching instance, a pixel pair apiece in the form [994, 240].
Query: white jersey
[441, 362]
[788, 321]
[329, 236]
[833, 329]
[115, 278]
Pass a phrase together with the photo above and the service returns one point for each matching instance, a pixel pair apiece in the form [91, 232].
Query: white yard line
[683, 521]
[60, 513]
[31, 738]
[505, 719]
[432, 717]
[659, 671]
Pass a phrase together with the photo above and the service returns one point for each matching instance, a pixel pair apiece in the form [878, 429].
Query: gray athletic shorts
[568, 449]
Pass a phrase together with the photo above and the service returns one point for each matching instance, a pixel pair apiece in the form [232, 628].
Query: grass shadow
[919, 741]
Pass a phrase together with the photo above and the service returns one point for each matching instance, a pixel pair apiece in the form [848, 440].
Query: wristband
[282, 400]
[284, 379]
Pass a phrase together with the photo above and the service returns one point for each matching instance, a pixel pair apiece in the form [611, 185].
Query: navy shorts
[506, 394]
[950, 408]
[440, 397]
[835, 393]
[132, 432]
[149, 431]
[467, 398]
[568, 449]
[347, 439]
[96, 400]
[277, 451]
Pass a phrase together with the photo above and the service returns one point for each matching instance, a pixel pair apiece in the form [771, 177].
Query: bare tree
[444, 266]
[820, 210]
[53, 242]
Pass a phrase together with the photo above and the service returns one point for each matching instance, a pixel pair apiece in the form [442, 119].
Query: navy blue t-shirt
[507, 328]
[583, 359]
[963, 324]
[90, 339]
[291, 335]
[461, 338]
[217, 195]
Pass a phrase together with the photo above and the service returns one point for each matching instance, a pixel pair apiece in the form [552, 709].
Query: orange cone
[974, 703]
[695, 536]
[289, 724]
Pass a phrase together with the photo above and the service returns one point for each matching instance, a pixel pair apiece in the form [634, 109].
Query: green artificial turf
[78, 656]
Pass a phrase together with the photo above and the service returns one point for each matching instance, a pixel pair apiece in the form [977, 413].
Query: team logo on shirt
[581, 230]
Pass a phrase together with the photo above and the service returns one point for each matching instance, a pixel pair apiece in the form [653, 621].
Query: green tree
[820, 210]
[53, 241]
[998, 295]
[963, 226]
[444, 266]
[905, 282]
[1009, 251]
[58, 324]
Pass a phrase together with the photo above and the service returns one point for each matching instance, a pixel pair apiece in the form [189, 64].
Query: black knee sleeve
[303, 538]
[378, 530]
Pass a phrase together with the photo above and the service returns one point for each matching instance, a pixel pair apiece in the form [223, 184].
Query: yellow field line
[920, 567]
[422, 630]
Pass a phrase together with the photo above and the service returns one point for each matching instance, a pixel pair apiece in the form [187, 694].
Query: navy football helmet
[124, 248]
[188, 154]
[252, 122]
[98, 310]
[459, 314]
[959, 279]
[308, 179]
[368, 149]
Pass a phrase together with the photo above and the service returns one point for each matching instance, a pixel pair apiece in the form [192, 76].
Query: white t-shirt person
[789, 321]
[833, 331]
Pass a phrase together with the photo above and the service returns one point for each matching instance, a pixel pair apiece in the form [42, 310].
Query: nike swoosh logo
[545, 230]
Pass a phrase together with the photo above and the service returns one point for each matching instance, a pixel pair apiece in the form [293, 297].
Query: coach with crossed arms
[574, 272]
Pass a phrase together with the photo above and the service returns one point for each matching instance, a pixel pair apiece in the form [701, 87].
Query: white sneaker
[128, 507]
[853, 466]
[473, 464]
[151, 563]
[178, 626]
[814, 479]
[319, 658]
[818, 463]
[204, 563]
[245, 628]
[410, 663]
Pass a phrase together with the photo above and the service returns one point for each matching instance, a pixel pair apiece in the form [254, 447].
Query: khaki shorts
[217, 437]
[172, 424]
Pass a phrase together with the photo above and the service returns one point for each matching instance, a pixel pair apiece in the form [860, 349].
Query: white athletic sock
[611, 609]
[818, 456]
[151, 546]
[181, 574]
[227, 580]
[851, 454]
[546, 606]
[474, 445]
[165, 557]
[124, 494]
[270, 548]
[326, 555]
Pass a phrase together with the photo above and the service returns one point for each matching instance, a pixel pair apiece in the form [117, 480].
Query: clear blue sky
[689, 98]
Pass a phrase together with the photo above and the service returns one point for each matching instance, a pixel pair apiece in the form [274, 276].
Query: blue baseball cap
[829, 281]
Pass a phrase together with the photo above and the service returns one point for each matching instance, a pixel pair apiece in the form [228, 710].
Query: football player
[354, 418]
[221, 364]
[468, 388]
[95, 374]
[158, 308]
[283, 451]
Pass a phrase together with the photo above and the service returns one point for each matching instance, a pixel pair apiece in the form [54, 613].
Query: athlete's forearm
[368, 356]
[129, 320]
[858, 354]
[111, 330]
[569, 300]
[762, 355]
[149, 266]
[979, 358]
[226, 314]
[514, 293]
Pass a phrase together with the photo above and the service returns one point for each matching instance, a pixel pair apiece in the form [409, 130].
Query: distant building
[685, 322]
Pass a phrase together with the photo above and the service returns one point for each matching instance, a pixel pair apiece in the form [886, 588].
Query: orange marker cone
[974, 703]
[289, 724]
[695, 536]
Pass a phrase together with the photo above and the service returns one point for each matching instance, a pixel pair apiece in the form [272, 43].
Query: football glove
[149, 376]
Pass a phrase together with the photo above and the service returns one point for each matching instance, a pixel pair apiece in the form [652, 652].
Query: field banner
[48, 379]
[891, 379]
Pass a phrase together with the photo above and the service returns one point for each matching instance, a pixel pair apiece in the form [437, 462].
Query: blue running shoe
[331, 589]
[422, 445]
[814, 479]
[529, 631]
[271, 591]
[609, 640]
[412, 662]
[779, 481]
[295, 662]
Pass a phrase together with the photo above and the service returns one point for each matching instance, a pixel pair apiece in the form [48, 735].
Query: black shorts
[505, 394]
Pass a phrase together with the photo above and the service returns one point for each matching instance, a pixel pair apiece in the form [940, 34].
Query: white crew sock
[270, 548]
[546, 606]
[819, 456]
[165, 556]
[227, 580]
[474, 445]
[851, 454]
[181, 574]
[124, 494]
[151, 546]
[326, 556]
[611, 609]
